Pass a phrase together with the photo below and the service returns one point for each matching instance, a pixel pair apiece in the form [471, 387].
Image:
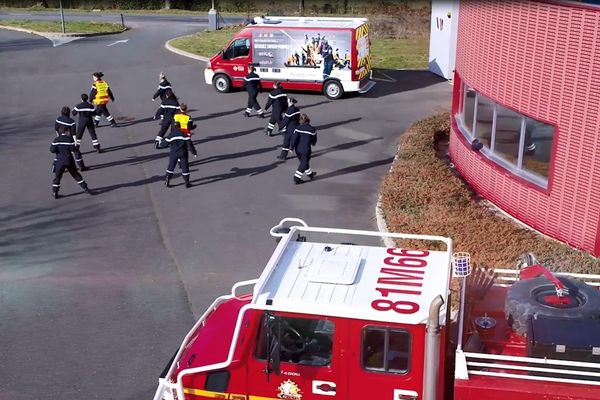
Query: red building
[527, 91]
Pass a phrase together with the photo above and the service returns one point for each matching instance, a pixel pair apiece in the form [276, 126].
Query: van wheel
[222, 83]
[333, 90]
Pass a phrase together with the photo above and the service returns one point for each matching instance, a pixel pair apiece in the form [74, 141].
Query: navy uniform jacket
[180, 144]
[278, 100]
[305, 136]
[291, 119]
[86, 112]
[167, 109]
[63, 146]
[162, 87]
[65, 121]
[252, 82]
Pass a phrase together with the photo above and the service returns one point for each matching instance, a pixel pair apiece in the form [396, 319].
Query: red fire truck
[336, 315]
[331, 55]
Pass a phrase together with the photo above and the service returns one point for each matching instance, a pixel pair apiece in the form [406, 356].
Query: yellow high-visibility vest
[183, 120]
[101, 92]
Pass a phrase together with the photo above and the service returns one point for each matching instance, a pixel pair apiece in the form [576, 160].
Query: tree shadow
[124, 123]
[236, 173]
[218, 114]
[234, 155]
[356, 168]
[398, 81]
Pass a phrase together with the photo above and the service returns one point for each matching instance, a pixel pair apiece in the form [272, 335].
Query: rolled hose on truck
[522, 301]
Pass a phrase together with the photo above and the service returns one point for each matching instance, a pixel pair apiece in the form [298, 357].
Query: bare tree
[345, 6]
[167, 4]
[301, 7]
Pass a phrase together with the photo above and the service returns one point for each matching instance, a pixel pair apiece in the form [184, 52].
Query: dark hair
[278, 84]
[292, 100]
[62, 129]
[304, 119]
[98, 74]
[84, 97]
[65, 111]
[168, 93]
[183, 107]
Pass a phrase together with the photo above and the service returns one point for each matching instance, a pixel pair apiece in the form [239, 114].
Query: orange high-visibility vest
[101, 92]
[183, 120]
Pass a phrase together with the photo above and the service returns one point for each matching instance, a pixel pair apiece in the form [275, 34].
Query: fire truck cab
[327, 319]
[336, 315]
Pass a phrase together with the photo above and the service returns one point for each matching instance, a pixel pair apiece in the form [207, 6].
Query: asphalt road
[97, 292]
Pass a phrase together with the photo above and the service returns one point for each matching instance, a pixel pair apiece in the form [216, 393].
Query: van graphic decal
[364, 51]
[289, 390]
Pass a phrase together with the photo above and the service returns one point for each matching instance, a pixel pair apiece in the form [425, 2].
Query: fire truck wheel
[525, 299]
[222, 83]
[333, 90]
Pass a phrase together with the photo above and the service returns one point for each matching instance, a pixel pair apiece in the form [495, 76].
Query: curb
[60, 34]
[169, 47]
[380, 219]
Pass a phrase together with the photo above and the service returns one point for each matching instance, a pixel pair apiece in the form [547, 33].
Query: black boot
[283, 155]
[97, 122]
[298, 181]
[246, 114]
[261, 115]
[269, 131]
[113, 124]
[55, 193]
[98, 149]
[86, 189]
[186, 178]
[168, 181]
[312, 175]
[82, 166]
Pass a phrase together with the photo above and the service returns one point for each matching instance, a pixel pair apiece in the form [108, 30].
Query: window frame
[540, 181]
[386, 346]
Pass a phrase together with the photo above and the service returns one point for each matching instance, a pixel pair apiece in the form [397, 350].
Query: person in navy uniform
[305, 136]
[180, 142]
[86, 112]
[252, 85]
[63, 146]
[290, 121]
[168, 108]
[163, 85]
[64, 120]
[277, 99]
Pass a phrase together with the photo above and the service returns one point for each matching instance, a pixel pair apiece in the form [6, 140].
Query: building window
[518, 143]
[385, 350]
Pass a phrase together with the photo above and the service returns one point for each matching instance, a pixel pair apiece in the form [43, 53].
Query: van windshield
[303, 341]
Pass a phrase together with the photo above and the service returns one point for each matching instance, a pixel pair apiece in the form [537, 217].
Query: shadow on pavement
[124, 146]
[356, 168]
[228, 135]
[145, 181]
[131, 161]
[397, 81]
[334, 124]
[343, 146]
[236, 173]
[125, 123]
[234, 155]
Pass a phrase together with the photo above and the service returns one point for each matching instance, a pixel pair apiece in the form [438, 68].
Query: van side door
[236, 58]
[298, 357]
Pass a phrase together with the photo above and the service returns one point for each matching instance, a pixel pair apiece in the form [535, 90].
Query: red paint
[540, 59]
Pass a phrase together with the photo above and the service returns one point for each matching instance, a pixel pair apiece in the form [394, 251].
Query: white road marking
[60, 40]
[118, 41]
[17, 14]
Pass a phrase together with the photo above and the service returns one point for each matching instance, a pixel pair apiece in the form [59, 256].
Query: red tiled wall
[543, 60]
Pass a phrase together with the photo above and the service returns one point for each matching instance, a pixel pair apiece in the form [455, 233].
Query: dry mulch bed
[423, 194]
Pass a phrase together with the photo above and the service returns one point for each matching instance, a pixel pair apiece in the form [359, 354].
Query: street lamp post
[62, 17]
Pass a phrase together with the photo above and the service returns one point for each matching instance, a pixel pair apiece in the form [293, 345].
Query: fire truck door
[236, 58]
[297, 357]
[386, 361]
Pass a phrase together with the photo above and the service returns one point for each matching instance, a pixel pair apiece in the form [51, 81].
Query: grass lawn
[421, 194]
[409, 53]
[70, 26]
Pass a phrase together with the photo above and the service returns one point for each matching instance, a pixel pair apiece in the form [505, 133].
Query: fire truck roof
[353, 281]
[308, 22]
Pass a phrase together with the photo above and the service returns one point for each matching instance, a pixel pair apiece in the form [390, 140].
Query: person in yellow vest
[100, 95]
[180, 142]
[185, 122]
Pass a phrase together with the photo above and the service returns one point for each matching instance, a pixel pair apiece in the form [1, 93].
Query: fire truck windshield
[304, 341]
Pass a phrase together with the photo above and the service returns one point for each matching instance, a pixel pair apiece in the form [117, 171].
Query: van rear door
[310, 358]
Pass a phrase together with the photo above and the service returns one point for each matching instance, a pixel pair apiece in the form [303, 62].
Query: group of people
[298, 134]
[65, 146]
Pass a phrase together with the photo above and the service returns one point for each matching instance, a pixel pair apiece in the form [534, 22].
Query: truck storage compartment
[565, 339]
